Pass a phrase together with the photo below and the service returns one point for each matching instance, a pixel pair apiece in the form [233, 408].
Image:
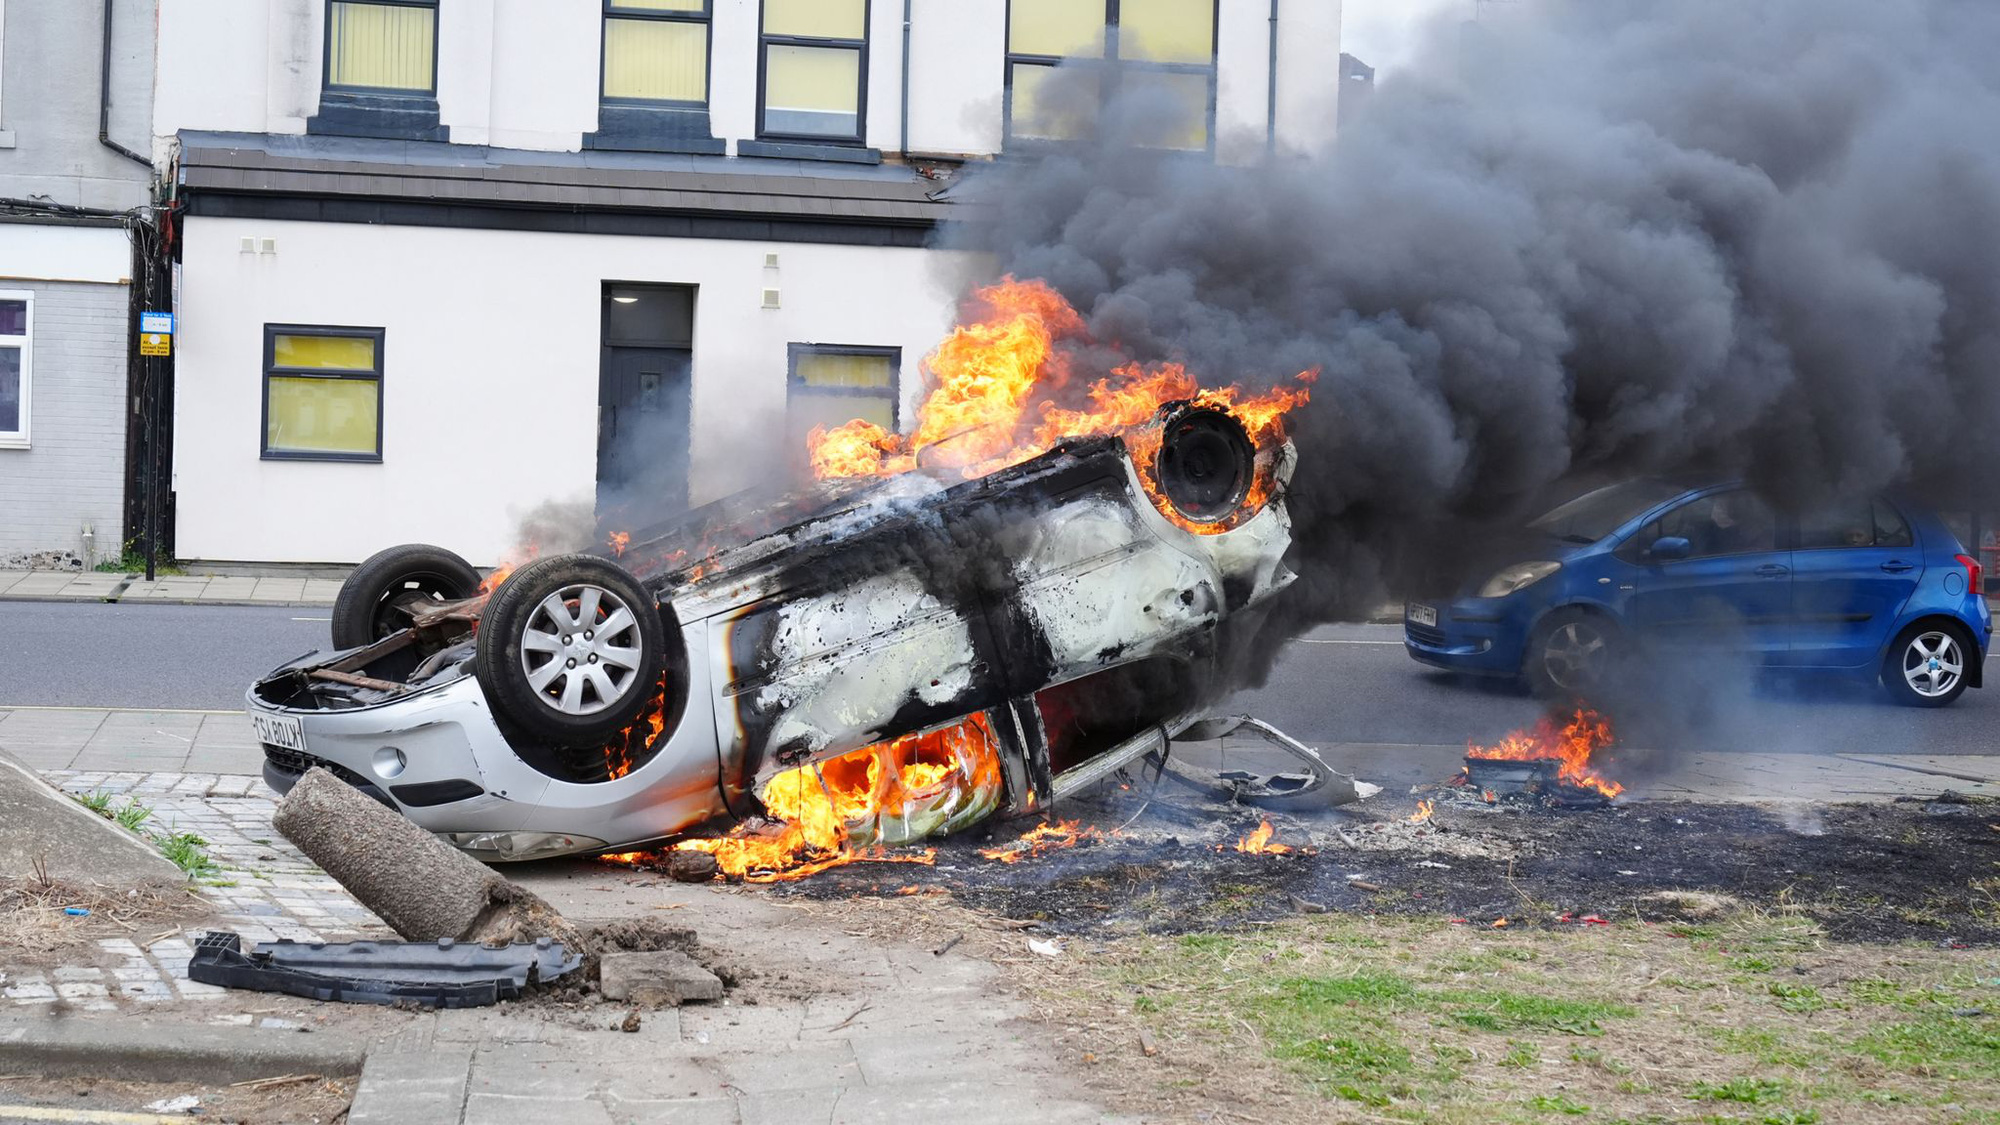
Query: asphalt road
[178, 657]
[1348, 683]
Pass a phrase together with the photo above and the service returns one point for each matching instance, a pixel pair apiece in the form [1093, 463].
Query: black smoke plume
[1597, 238]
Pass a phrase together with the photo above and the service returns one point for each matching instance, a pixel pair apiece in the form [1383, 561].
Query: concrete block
[667, 977]
[39, 822]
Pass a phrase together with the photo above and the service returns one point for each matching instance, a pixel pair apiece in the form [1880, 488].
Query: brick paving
[265, 890]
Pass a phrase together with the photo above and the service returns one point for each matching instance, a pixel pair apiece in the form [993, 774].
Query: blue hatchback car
[1873, 588]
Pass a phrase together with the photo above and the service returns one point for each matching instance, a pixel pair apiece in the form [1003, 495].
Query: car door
[1732, 591]
[1854, 566]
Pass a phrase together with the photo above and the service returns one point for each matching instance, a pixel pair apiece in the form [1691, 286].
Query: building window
[656, 52]
[382, 47]
[322, 393]
[1165, 46]
[833, 384]
[16, 361]
[813, 72]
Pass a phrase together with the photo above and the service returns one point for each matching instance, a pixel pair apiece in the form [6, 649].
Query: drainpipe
[904, 134]
[1271, 95]
[104, 100]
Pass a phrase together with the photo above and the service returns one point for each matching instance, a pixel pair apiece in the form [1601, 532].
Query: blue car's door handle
[1772, 570]
[1898, 566]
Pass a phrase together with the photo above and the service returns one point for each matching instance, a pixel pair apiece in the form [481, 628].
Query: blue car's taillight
[1972, 572]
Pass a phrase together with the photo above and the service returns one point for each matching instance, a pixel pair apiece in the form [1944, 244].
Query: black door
[644, 404]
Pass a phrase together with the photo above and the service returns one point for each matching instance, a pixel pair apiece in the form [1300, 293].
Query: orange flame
[619, 541]
[1571, 746]
[1041, 840]
[1001, 394]
[1259, 842]
[829, 814]
[1424, 811]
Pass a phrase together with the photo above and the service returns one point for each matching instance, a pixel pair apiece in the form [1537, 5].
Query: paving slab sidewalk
[189, 589]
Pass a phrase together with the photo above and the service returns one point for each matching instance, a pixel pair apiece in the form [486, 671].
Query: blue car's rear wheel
[1572, 655]
[1927, 665]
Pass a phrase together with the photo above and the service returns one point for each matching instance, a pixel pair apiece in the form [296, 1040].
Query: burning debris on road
[1548, 762]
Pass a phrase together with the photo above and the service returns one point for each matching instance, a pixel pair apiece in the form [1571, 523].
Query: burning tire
[570, 649]
[1206, 464]
[380, 596]
[1927, 665]
[1573, 654]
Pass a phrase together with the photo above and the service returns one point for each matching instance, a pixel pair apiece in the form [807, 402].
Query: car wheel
[1572, 655]
[570, 649]
[379, 597]
[1926, 666]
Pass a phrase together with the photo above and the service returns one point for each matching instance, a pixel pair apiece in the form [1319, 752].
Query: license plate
[1426, 615]
[279, 730]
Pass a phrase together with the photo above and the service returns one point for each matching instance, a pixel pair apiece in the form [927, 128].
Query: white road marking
[312, 618]
[1317, 641]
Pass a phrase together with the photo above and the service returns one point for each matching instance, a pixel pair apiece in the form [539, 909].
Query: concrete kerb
[177, 589]
[147, 1051]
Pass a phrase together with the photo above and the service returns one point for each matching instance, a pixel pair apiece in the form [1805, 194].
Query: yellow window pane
[821, 369]
[656, 60]
[660, 5]
[336, 353]
[806, 410]
[1056, 104]
[1073, 28]
[385, 46]
[820, 19]
[815, 91]
[1179, 105]
[311, 415]
[1169, 31]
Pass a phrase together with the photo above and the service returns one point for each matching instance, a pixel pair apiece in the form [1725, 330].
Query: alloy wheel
[1575, 654]
[580, 649]
[1933, 664]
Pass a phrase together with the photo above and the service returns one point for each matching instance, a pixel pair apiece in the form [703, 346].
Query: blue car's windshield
[1594, 515]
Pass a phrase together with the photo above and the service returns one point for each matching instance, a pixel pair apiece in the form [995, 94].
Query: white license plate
[279, 730]
[1426, 615]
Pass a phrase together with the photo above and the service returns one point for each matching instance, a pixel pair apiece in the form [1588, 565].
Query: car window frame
[1633, 549]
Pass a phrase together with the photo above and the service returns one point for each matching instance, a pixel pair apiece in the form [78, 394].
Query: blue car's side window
[1728, 523]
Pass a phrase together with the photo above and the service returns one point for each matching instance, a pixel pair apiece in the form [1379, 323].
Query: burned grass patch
[1903, 871]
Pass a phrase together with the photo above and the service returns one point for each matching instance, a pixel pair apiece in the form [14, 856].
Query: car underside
[1032, 629]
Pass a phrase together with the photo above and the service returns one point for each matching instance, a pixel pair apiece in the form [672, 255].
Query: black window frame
[613, 10]
[326, 83]
[377, 376]
[894, 353]
[765, 41]
[1113, 67]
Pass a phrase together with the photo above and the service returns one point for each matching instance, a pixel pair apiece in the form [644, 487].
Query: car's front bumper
[1474, 635]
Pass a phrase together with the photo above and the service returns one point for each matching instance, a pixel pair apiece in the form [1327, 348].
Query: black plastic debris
[441, 974]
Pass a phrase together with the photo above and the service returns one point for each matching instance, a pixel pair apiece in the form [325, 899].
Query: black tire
[614, 674]
[375, 600]
[1573, 654]
[1915, 648]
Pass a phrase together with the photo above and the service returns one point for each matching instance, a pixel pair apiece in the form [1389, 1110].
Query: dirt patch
[39, 923]
[279, 1102]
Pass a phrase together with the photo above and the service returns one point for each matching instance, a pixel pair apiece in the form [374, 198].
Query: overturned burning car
[907, 650]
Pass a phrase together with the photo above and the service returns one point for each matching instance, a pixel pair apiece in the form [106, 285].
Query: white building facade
[444, 260]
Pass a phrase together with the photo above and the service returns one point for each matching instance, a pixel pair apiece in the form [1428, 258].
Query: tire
[1926, 665]
[549, 667]
[1573, 654]
[375, 600]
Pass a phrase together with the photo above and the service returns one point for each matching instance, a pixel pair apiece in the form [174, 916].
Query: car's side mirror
[1668, 549]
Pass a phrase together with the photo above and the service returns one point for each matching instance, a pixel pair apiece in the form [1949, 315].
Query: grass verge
[1755, 1019]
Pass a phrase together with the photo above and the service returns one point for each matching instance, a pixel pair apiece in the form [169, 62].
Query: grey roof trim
[389, 170]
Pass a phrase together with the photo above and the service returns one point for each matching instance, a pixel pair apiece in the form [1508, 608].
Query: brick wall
[75, 470]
